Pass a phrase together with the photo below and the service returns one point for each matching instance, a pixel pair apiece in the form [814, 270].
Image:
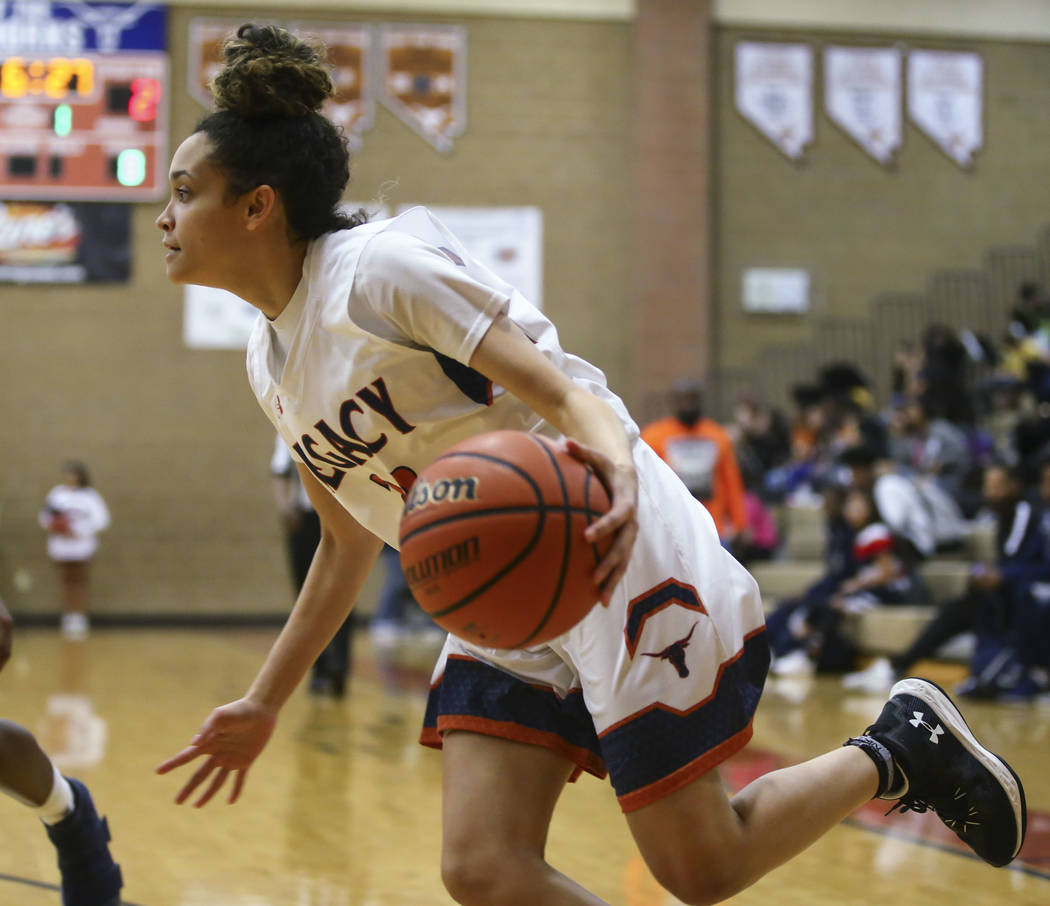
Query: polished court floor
[342, 809]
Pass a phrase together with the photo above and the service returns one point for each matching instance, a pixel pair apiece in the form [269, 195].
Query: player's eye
[182, 193]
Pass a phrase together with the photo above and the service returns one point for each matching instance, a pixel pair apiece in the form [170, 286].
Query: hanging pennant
[945, 91]
[348, 46]
[862, 90]
[424, 80]
[206, 37]
[774, 92]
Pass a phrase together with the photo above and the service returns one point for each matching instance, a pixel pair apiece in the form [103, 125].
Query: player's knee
[480, 875]
[697, 881]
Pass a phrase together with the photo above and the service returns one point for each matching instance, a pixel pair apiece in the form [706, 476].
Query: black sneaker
[90, 877]
[945, 769]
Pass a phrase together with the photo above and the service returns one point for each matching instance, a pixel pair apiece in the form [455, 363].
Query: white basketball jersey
[372, 383]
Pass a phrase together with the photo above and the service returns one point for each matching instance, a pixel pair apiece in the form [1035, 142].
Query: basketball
[492, 542]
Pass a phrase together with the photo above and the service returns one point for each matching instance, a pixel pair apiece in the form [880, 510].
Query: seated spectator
[760, 436]
[785, 626]
[917, 511]
[882, 576]
[931, 447]
[1003, 604]
[760, 537]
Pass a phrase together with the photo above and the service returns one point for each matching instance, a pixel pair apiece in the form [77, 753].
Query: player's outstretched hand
[232, 738]
[620, 524]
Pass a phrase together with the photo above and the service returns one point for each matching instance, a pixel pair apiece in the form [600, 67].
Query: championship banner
[42, 242]
[945, 91]
[862, 90]
[774, 92]
[424, 79]
[349, 47]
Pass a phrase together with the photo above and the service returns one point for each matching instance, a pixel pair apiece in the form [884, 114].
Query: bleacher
[883, 630]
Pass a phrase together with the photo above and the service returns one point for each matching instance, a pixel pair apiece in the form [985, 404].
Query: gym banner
[774, 92]
[44, 242]
[349, 53]
[945, 90]
[862, 95]
[424, 79]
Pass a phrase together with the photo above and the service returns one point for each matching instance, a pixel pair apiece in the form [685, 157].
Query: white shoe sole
[946, 711]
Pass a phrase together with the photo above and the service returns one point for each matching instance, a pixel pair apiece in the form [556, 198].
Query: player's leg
[73, 577]
[705, 847]
[498, 799]
[89, 875]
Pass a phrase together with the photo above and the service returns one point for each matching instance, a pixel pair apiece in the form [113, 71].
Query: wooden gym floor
[342, 809]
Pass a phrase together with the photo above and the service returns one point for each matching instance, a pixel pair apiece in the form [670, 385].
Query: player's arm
[509, 358]
[233, 736]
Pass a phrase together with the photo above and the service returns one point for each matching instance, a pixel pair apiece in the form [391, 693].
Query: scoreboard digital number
[90, 127]
[84, 96]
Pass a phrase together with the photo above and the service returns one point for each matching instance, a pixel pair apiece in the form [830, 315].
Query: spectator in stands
[803, 472]
[1004, 604]
[881, 576]
[916, 511]
[761, 437]
[943, 376]
[786, 625]
[700, 452]
[760, 538]
[931, 447]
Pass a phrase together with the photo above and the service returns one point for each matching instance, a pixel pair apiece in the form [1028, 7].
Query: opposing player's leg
[89, 875]
[704, 847]
[498, 799]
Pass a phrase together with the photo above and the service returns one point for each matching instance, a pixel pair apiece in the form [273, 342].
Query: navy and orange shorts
[654, 690]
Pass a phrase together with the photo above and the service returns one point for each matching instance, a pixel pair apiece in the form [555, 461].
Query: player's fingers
[199, 776]
[216, 784]
[186, 755]
[238, 785]
[615, 559]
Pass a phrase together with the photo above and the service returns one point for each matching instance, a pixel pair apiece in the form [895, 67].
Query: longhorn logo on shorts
[675, 653]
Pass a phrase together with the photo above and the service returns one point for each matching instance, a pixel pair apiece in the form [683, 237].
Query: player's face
[200, 223]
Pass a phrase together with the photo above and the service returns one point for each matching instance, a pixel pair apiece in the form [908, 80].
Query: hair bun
[268, 71]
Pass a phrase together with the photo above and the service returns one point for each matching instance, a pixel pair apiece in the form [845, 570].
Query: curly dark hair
[267, 128]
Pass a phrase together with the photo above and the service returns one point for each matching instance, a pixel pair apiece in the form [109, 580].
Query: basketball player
[381, 344]
[89, 875]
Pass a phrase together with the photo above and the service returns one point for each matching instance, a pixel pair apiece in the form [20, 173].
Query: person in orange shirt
[701, 453]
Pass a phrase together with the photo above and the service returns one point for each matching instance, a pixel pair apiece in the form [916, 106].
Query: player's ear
[261, 202]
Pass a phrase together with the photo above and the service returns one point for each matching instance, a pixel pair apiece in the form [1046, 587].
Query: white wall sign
[774, 92]
[775, 290]
[945, 90]
[862, 94]
[508, 241]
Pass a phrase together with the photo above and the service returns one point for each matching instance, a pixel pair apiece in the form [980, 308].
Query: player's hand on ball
[620, 523]
[232, 738]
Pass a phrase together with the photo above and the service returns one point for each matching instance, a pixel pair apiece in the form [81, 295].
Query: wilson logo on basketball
[445, 490]
[443, 562]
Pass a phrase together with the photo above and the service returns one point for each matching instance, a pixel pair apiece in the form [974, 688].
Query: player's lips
[172, 249]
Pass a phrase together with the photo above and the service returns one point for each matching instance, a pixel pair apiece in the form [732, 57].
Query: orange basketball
[492, 539]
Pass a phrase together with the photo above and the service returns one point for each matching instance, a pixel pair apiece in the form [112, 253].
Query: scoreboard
[83, 116]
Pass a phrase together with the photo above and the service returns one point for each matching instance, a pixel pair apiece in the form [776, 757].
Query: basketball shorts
[654, 690]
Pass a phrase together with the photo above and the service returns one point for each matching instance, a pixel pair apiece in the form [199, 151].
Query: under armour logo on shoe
[675, 653]
[933, 731]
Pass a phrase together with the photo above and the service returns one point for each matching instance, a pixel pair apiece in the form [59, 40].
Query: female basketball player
[381, 344]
